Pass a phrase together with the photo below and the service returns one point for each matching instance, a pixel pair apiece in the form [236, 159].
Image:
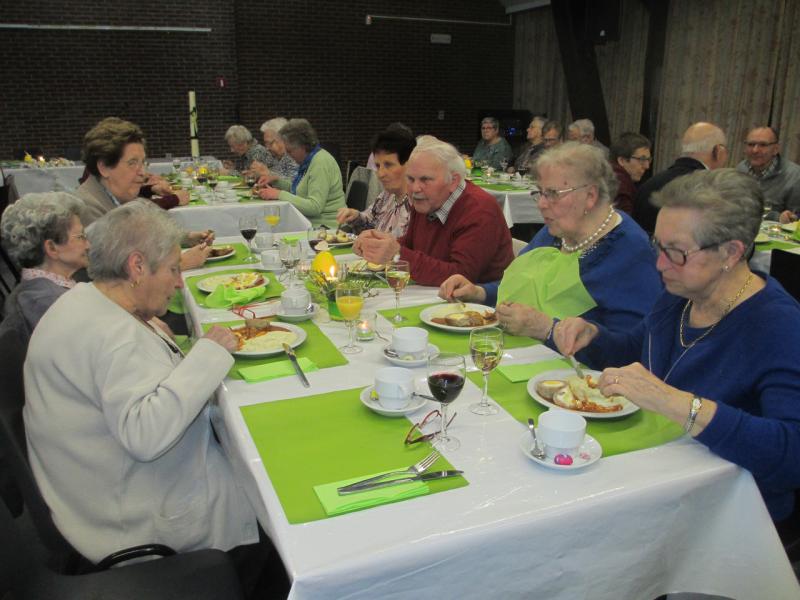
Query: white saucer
[372, 403]
[283, 316]
[589, 453]
[433, 352]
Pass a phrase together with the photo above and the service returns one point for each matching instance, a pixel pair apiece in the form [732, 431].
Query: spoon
[536, 451]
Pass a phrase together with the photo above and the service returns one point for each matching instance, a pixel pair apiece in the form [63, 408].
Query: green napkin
[330, 437]
[234, 178]
[775, 245]
[448, 341]
[334, 504]
[184, 342]
[272, 290]
[225, 296]
[642, 429]
[317, 348]
[274, 370]
[176, 304]
[500, 187]
[517, 373]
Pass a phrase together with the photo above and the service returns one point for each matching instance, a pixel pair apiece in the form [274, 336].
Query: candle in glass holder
[365, 327]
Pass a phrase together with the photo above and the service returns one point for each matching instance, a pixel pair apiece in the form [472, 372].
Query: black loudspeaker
[597, 21]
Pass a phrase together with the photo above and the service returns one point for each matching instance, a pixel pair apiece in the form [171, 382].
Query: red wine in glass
[202, 179]
[249, 234]
[445, 387]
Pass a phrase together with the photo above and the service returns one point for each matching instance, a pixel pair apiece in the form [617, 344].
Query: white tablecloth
[518, 207]
[636, 525]
[224, 218]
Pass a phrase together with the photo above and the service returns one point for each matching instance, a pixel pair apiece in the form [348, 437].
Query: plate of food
[363, 267]
[239, 281]
[459, 317]
[220, 253]
[259, 337]
[562, 388]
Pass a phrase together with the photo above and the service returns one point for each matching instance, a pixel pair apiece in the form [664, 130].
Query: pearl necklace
[586, 241]
[725, 312]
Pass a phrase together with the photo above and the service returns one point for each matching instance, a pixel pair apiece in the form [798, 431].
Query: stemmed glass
[397, 276]
[212, 183]
[315, 236]
[290, 253]
[446, 374]
[349, 302]
[272, 217]
[248, 226]
[486, 347]
[176, 166]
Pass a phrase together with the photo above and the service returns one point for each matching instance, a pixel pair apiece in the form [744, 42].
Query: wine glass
[176, 165]
[446, 373]
[315, 236]
[349, 302]
[248, 226]
[212, 183]
[290, 253]
[486, 347]
[272, 217]
[397, 276]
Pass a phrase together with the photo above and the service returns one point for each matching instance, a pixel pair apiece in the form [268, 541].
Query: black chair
[203, 575]
[785, 267]
[63, 561]
[357, 195]
[9, 274]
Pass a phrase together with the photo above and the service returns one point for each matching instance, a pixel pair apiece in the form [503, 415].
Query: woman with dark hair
[390, 210]
[316, 190]
[630, 158]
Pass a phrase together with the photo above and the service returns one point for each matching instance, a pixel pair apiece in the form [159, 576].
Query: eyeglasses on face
[677, 256]
[81, 236]
[642, 159]
[416, 434]
[759, 145]
[552, 195]
[136, 164]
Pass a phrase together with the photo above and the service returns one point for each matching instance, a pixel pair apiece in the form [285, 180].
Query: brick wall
[306, 58]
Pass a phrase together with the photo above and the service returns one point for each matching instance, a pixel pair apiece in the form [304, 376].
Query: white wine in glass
[486, 348]
[397, 276]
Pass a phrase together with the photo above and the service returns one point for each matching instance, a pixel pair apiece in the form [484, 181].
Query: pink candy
[563, 459]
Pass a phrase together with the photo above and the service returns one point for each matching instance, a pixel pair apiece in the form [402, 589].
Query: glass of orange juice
[349, 302]
[272, 217]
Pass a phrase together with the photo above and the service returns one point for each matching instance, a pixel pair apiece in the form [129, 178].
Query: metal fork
[415, 469]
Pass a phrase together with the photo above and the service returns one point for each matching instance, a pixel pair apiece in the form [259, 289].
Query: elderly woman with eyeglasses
[588, 260]
[493, 149]
[115, 157]
[242, 144]
[316, 190]
[43, 234]
[278, 160]
[630, 158]
[117, 417]
[718, 352]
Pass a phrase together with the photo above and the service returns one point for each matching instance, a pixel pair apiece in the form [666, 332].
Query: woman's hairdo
[106, 141]
[587, 163]
[299, 132]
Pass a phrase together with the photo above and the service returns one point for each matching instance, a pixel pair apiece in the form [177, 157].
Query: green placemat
[448, 341]
[241, 253]
[341, 250]
[776, 245]
[329, 437]
[272, 290]
[317, 348]
[500, 187]
[642, 429]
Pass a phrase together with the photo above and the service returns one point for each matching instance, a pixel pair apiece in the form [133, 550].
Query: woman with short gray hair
[240, 141]
[493, 150]
[42, 234]
[718, 353]
[117, 416]
[278, 161]
[316, 190]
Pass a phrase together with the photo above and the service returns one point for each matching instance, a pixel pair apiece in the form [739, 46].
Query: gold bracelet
[694, 408]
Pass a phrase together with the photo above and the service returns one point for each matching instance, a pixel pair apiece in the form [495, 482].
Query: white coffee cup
[410, 341]
[561, 432]
[394, 386]
[295, 300]
[270, 259]
[264, 240]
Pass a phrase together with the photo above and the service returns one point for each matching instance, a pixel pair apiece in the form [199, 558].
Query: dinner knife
[293, 358]
[363, 487]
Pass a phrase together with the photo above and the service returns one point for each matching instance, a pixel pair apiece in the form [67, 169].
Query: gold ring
[616, 380]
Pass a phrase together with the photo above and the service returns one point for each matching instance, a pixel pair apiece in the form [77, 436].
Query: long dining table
[635, 524]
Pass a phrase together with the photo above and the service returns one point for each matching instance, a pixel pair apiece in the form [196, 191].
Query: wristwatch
[697, 403]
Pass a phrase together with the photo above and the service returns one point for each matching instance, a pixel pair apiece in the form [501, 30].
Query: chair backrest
[9, 274]
[357, 195]
[13, 448]
[785, 267]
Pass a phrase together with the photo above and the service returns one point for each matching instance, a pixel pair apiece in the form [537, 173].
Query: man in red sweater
[455, 227]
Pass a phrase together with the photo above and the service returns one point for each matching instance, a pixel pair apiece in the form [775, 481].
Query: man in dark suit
[703, 146]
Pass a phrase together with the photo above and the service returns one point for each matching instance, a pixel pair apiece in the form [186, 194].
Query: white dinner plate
[627, 408]
[301, 337]
[294, 318]
[367, 400]
[589, 453]
[433, 352]
[210, 283]
[222, 256]
[444, 309]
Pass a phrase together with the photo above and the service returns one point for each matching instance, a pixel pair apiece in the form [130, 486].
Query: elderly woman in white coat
[117, 418]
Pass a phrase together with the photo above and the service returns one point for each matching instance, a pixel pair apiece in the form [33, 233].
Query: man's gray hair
[238, 134]
[274, 125]
[730, 203]
[587, 163]
[444, 153]
[584, 126]
[491, 121]
[35, 218]
[299, 132]
[138, 226]
[709, 136]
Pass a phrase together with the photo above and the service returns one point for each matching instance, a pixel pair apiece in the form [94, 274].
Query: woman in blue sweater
[718, 352]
